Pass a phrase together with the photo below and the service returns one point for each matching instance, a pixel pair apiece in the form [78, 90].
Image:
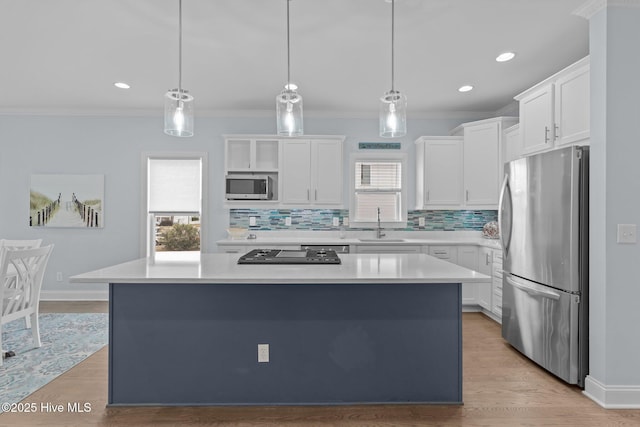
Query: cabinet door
[468, 258]
[512, 145]
[572, 107]
[481, 164]
[251, 155]
[536, 120]
[485, 266]
[296, 176]
[326, 170]
[443, 172]
[238, 155]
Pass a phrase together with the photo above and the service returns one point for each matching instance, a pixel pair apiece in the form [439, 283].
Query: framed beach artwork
[67, 201]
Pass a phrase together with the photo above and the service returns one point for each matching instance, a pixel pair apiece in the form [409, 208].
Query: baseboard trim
[612, 397]
[79, 295]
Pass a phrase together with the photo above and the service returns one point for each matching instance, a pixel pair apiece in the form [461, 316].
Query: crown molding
[591, 7]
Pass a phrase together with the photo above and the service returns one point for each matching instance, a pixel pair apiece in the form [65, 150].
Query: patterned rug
[67, 339]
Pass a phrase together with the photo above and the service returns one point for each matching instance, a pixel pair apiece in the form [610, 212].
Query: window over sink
[378, 190]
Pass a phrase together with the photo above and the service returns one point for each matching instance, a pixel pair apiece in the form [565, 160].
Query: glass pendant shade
[393, 115]
[178, 113]
[289, 113]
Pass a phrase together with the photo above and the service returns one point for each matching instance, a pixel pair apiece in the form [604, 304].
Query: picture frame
[66, 201]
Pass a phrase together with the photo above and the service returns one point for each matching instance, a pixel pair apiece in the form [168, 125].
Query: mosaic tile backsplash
[322, 219]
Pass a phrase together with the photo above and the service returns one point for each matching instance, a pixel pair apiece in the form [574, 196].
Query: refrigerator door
[542, 323]
[540, 218]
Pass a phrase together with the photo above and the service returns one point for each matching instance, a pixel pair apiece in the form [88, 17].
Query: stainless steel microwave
[249, 187]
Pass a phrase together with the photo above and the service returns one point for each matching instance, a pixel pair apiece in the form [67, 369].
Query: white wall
[614, 377]
[112, 146]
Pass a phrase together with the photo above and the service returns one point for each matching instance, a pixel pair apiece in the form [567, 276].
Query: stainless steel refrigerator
[544, 231]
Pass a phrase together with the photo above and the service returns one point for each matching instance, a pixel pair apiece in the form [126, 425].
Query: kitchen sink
[381, 240]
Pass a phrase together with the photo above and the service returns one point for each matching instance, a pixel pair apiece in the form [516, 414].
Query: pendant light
[178, 104]
[393, 104]
[289, 102]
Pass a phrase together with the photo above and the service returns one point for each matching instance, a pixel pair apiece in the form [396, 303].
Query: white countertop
[331, 238]
[223, 268]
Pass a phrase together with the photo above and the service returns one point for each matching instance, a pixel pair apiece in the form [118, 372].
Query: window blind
[175, 185]
[378, 184]
[378, 175]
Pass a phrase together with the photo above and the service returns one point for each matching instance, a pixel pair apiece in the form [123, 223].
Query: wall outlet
[336, 221]
[626, 233]
[59, 276]
[287, 221]
[421, 222]
[345, 220]
[263, 353]
[252, 220]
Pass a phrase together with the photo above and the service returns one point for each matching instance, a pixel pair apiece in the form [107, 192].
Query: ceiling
[63, 56]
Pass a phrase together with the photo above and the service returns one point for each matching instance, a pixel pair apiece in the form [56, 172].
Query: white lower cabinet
[465, 256]
[485, 266]
[496, 307]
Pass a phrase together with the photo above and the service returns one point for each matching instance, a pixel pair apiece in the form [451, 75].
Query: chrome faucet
[379, 233]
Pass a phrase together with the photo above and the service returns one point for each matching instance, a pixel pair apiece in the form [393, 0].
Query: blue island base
[197, 344]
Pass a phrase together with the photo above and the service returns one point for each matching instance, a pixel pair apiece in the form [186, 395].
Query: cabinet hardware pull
[467, 196]
[546, 135]
[556, 132]
[316, 196]
[486, 259]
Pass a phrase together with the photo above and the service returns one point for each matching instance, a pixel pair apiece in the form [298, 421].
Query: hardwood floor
[501, 388]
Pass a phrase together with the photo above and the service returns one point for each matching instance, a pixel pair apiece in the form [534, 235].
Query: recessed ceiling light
[465, 88]
[121, 85]
[506, 56]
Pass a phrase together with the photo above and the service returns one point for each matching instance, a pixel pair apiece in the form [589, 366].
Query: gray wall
[615, 199]
[112, 146]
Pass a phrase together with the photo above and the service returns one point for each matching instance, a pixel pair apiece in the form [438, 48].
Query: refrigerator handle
[533, 291]
[504, 236]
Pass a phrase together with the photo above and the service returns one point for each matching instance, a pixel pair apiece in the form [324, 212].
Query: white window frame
[377, 157]
[147, 234]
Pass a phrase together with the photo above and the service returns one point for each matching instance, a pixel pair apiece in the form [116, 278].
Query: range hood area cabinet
[461, 171]
[555, 112]
[312, 171]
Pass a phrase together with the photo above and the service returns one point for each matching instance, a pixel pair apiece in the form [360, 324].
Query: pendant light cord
[392, 43]
[288, 51]
[180, 48]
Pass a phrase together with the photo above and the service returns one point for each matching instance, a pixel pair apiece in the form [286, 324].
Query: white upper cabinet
[482, 164]
[536, 120]
[251, 154]
[439, 172]
[511, 144]
[462, 171]
[572, 97]
[555, 112]
[312, 172]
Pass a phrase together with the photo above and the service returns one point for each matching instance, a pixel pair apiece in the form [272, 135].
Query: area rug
[67, 339]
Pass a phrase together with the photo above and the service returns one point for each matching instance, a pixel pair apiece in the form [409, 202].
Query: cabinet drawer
[497, 271]
[232, 249]
[442, 252]
[497, 286]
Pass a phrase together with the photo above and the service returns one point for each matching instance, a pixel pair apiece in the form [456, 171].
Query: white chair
[19, 244]
[24, 270]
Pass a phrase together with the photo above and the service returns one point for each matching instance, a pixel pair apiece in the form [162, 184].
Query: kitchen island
[378, 328]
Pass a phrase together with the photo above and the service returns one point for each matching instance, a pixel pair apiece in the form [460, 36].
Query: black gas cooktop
[286, 256]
